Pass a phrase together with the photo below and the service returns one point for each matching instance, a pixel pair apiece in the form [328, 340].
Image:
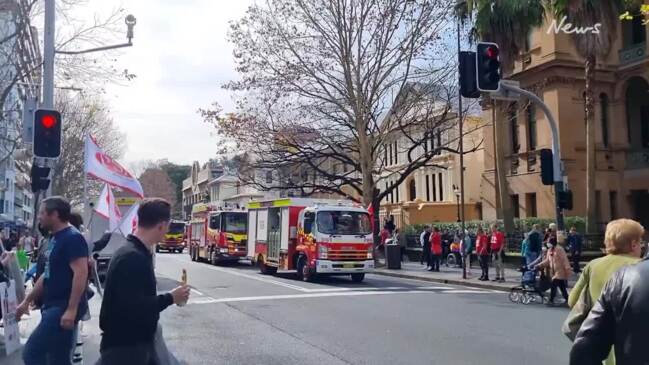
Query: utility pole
[48, 54]
[461, 127]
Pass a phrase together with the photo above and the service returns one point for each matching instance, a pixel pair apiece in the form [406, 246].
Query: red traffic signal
[492, 52]
[48, 121]
[488, 67]
[47, 133]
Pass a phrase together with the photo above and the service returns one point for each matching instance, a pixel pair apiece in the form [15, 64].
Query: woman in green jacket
[623, 242]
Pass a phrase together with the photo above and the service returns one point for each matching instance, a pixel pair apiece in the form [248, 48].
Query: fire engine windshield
[176, 228]
[235, 222]
[343, 222]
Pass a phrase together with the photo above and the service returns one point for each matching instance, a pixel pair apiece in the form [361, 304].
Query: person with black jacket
[131, 307]
[619, 318]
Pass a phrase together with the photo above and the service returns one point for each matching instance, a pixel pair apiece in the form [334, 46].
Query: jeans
[576, 257]
[49, 343]
[143, 354]
[425, 254]
[498, 263]
[484, 265]
[561, 284]
[434, 262]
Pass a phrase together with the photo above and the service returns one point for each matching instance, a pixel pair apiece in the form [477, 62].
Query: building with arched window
[553, 70]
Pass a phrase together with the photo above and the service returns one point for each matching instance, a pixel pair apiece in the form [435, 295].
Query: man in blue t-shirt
[61, 287]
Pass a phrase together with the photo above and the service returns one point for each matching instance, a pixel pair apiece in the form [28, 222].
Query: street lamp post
[457, 192]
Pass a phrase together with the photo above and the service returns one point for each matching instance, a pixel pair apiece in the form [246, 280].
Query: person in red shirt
[497, 246]
[482, 249]
[436, 249]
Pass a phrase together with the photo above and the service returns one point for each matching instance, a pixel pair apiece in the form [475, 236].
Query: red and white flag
[107, 208]
[100, 166]
[129, 223]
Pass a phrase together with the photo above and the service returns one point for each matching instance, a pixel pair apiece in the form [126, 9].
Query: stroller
[533, 288]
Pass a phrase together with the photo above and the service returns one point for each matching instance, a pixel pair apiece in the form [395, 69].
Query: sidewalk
[452, 275]
[90, 333]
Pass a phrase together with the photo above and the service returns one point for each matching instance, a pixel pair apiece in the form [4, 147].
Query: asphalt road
[238, 316]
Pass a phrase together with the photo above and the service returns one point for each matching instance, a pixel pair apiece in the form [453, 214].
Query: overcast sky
[181, 59]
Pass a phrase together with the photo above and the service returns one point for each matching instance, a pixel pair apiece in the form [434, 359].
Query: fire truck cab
[217, 235]
[311, 236]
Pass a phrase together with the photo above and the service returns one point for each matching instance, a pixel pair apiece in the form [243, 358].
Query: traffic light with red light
[47, 133]
[488, 66]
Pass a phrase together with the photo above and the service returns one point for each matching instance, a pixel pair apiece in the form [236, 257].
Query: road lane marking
[253, 277]
[210, 300]
[197, 292]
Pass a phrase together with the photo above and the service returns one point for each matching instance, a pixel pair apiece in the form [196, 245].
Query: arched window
[603, 101]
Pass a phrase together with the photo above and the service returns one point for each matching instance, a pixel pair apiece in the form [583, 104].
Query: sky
[181, 58]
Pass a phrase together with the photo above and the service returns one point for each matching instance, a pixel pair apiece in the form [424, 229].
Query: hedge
[521, 225]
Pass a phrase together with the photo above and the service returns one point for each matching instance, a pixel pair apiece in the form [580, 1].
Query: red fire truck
[311, 236]
[217, 235]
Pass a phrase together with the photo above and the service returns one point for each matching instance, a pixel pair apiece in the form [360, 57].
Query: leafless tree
[326, 88]
[156, 183]
[83, 115]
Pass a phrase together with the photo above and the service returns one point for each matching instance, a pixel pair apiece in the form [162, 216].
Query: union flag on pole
[129, 223]
[107, 208]
[100, 166]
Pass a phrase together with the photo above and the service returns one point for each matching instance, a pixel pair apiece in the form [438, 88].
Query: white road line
[460, 291]
[210, 300]
[197, 292]
[253, 277]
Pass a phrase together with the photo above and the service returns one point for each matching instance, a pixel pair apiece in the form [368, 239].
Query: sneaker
[549, 304]
[496, 279]
[501, 280]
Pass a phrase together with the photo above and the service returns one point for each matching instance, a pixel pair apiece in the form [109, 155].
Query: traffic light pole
[556, 149]
[48, 54]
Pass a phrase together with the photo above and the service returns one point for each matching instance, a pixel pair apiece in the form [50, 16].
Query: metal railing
[633, 53]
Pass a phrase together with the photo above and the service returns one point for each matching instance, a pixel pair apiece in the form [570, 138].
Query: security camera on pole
[487, 75]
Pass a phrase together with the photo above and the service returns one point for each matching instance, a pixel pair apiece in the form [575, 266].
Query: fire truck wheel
[192, 253]
[265, 269]
[157, 249]
[357, 278]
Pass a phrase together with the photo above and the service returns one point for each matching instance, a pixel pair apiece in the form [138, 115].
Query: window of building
[513, 123]
[396, 153]
[425, 144]
[390, 153]
[531, 128]
[530, 205]
[385, 155]
[397, 193]
[427, 188]
[612, 197]
[434, 187]
[634, 31]
[412, 190]
[387, 196]
[439, 141]
[603, 100]
[516, 208]
[441, 187]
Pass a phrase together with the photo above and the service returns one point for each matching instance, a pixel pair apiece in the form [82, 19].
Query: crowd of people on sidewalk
[130, 308]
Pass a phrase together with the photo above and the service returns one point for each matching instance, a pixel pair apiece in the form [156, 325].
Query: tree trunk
[501, 169]
[591, 222]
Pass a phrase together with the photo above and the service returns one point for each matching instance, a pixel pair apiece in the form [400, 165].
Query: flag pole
[86, 212]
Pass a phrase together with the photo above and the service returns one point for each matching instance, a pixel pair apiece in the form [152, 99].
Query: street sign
[504, 94]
